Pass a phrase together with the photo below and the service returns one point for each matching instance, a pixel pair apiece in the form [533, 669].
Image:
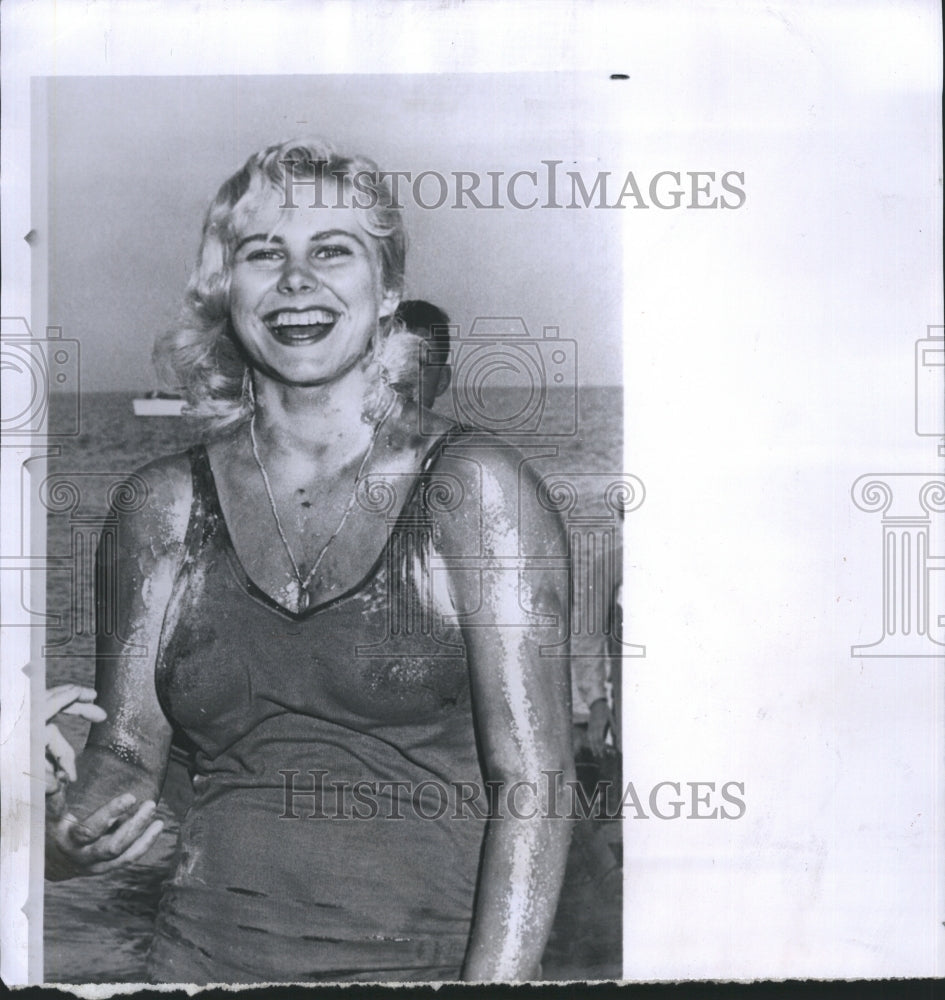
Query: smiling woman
[329, 587]
[255, 236]
[307, 276]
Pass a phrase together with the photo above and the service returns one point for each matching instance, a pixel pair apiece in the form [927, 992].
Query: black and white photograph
[473, 488]
[383, 659]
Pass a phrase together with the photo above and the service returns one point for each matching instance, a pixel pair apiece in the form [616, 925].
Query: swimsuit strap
[456, 434]
[204, 483]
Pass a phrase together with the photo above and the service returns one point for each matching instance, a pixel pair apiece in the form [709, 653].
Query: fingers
[94, 713]
[111, 843]
[136, 850]
[103, 819]
[52, 779]
[60, 753]
[55, 798]
[131, 837]
[72, 699]
[116, 843]
[127, 842]
[58, 698]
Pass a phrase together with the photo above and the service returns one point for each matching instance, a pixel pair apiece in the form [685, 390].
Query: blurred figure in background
[431, 324]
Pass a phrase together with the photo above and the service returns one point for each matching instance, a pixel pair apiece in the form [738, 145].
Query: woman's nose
[297, 276]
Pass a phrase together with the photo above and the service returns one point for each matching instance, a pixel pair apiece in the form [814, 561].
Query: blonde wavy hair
[200, 357]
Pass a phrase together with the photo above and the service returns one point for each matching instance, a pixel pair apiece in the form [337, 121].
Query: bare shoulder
[485, 464]
[153, 505]
[499, 491]
[167, 477]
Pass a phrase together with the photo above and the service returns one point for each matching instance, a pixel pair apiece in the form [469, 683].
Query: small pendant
[304, 598]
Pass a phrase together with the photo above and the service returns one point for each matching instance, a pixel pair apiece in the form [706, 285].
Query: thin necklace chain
[303, 583]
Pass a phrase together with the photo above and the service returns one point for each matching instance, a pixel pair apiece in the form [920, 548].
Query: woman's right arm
[106, 819]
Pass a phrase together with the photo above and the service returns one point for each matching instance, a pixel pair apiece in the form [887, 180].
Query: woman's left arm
[521, 704]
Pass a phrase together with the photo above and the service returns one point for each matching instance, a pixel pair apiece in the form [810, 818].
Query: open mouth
[301, 326]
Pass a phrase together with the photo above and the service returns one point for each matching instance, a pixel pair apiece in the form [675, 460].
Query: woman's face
[306, 290]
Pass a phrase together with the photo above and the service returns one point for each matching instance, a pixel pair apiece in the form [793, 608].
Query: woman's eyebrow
[262, 237]
[327, 233]
[315, 237]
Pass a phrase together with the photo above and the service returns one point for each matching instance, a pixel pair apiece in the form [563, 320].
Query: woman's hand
[113, 836]
[70, 699]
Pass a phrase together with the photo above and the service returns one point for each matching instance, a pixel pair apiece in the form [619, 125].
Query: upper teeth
[308, 318]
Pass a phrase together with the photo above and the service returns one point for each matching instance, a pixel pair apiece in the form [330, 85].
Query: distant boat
[158, 404]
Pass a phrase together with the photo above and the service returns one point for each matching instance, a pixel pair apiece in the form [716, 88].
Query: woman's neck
[324, 422]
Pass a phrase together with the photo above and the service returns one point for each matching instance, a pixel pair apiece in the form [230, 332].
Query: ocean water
[98, 929]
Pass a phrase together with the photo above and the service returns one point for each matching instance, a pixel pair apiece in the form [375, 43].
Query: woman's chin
[315, 375]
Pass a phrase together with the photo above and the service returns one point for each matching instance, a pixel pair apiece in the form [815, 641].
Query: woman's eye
[264, 254]
[332, 250]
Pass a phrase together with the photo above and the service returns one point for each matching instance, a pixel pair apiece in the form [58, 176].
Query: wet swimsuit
[288, 869]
